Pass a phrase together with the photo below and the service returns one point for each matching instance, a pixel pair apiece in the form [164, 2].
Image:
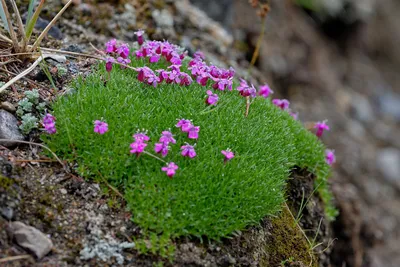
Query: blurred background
[333, 59]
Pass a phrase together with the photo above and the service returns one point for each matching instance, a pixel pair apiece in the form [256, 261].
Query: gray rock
[30, 239]
[7, 213]
[388, 162]
[8, 106]
[390, 104]
[9, 128]
[362, 108]
[218, 10]
[163, 18]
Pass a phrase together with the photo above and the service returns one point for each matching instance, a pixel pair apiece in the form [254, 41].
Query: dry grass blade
[48, 27]
[16, 258]
[9, 23]
[21, 27]
[24, 73]
[5, 38]
[42, 146]
[31, 22]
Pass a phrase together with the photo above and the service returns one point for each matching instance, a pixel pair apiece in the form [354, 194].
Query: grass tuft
[206, 197]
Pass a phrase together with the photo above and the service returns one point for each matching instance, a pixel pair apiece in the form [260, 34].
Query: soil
[337, 69]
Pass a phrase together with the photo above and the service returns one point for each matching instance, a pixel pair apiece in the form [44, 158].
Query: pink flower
[294, 114]
[188, 151]
[124, 61]
[321, 126]
[109, 63]
[330, 156]
[281, 103]
[185, 125]
[139, 35]
[49, 123]
[100, 127]
[265, 91]
[228, 154]
[170, 169]
[111, 46]
[123, 50]
[246, 90]
[167, 138]
[141, 137]
[154, 58]
[161, 148]
[193, 132]
[212, 99]
[137, 147]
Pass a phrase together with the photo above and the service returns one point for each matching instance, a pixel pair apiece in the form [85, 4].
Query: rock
[390, 104]
[163, 18]
[218, 10]
[9, 128]
[362, 108]
[7, 213]
[388, 162]
[63, 191]
[54, 31]
[8, 106]
[30, 239]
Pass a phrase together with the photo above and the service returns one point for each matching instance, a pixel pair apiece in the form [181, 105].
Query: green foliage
[30, 110]
[28, 123]
[157, 245]
[32, 96]
[206, 197]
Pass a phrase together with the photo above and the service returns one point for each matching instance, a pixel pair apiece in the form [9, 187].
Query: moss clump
[287, 242]
[5, 182]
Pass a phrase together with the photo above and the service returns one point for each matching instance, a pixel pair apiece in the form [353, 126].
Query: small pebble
[63, 191]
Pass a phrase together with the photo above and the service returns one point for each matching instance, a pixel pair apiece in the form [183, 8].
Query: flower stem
[154, 156]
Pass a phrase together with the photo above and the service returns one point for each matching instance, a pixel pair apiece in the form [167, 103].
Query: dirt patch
[67, 209]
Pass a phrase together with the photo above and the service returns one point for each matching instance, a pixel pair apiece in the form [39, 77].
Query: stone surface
[362, 108]
[9, 128]
[8, 106]
[388, 162]
[7, 213]
[30, 239]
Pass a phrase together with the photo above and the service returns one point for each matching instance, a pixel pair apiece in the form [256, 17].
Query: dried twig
[16, 258]
[24, 73]
[37, 144]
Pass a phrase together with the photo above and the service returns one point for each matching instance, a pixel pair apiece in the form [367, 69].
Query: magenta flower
[124, 61]
[100, 127]
[111, 46]
[281, 103]
[49, 123]
[294, 114]
[188, 151]
[137, 147]
[139, 35]
[161, 148]
[109, 63]
[167, 137]
[141, 137]
[330, 156]
[184, 125]
[265, 91]
[48, 118]
[246, 90]
[123, 50]
[321, 126]
[228, 154]
[154, 58]
[170, 169]
[193, 132]
[212, 99]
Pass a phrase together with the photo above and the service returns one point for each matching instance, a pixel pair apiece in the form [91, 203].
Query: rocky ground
[334, 65]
